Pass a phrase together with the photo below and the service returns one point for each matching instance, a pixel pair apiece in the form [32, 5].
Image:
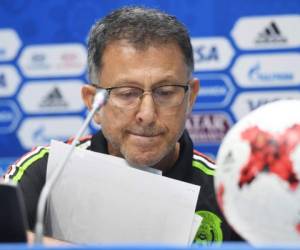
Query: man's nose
[147, 112]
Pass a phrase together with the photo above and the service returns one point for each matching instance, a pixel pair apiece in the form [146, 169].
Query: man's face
[147, 134]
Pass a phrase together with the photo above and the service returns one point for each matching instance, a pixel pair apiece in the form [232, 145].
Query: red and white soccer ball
[257, 181]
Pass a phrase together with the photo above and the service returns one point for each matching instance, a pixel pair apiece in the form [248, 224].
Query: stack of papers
[101, 199]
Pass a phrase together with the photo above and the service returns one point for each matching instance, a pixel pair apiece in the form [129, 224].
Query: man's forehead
[157, 54]
[121, 57]
[142, 47]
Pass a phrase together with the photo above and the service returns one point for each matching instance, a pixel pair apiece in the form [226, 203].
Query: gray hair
[141, 27]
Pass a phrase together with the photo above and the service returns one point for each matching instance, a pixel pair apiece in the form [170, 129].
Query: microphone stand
[99, 101]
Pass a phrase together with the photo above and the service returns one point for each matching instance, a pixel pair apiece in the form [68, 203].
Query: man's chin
[141, 163]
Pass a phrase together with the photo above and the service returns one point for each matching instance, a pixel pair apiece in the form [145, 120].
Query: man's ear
[195, 86]
[88, 93]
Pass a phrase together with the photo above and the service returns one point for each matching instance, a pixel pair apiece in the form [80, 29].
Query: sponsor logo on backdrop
[267, 32]
[208, 128]
[248, 101]
[53, 60]
[41, 97]
[9, 80]
[212, 53]
[39, 62]
[216, 91]
[54, 99]
[267, 70]
[257, 73]
[10, 44]
[40, 131]
[271, 34]
[9, 116]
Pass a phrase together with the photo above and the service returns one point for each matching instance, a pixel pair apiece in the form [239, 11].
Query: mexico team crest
[210, 229]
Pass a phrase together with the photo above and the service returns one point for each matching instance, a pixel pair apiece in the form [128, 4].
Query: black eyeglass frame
[185, 87]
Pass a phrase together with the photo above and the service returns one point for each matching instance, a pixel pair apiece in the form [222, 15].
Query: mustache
[148, 131]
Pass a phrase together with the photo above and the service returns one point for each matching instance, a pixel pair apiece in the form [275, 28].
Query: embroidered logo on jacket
[210, 229]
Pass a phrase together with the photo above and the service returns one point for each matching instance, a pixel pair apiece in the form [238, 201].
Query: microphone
[99, 100]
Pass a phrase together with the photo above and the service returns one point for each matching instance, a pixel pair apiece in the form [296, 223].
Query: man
[144, 59]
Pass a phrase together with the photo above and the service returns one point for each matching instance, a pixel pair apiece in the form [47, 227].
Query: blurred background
[246, 54]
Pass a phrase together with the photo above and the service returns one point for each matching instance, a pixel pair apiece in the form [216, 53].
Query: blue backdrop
[246, 54]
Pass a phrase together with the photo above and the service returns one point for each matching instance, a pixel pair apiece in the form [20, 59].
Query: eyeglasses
[165, 96]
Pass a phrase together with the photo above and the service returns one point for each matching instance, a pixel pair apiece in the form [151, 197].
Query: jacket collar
[181, 169]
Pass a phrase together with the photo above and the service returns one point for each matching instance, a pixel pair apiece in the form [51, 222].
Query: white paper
[196, 224]
[100, 199]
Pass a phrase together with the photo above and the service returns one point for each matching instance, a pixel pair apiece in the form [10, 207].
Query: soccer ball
[257, 180]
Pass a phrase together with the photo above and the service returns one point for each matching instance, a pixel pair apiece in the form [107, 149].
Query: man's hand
[46, 240]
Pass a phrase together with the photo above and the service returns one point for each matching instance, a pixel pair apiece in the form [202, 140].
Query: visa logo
[41, 137]
[211, 53]
[205, 53]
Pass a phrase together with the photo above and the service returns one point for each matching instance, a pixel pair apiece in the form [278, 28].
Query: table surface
[225, 246]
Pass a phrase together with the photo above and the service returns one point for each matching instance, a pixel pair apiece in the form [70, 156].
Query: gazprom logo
[39, 131]
[256, 73]
[267, 70]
